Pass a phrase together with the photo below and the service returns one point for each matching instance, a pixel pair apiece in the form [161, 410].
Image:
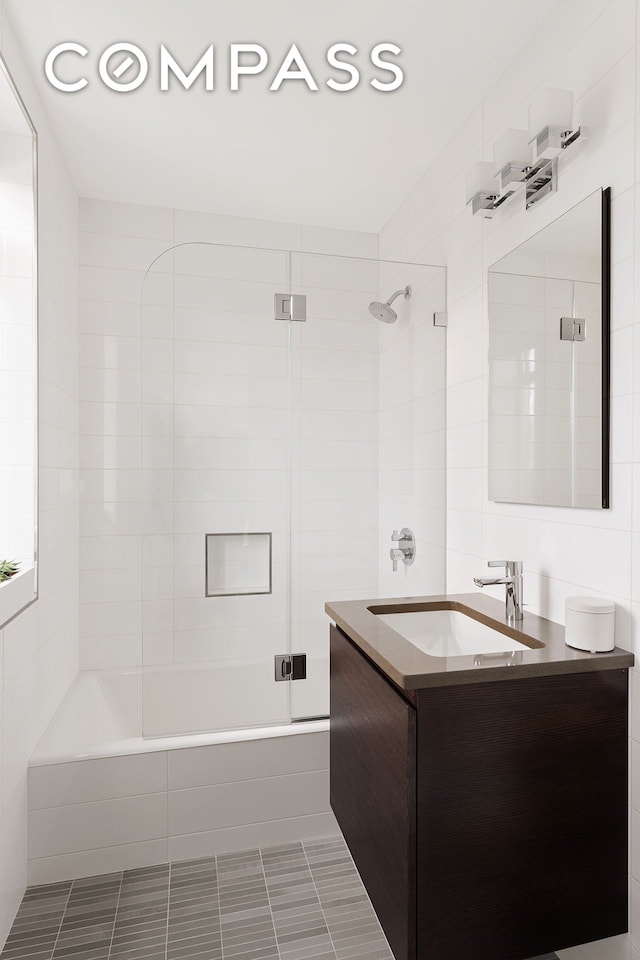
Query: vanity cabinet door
[522, 816]
[373, 786]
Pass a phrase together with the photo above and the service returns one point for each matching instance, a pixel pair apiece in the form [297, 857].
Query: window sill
[17, 593]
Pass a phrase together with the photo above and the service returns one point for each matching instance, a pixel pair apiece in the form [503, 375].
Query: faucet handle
[513, 567]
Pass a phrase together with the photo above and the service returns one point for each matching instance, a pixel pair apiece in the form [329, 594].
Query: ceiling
[331, 159]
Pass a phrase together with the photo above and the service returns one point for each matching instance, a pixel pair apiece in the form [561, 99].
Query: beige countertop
[411, 669]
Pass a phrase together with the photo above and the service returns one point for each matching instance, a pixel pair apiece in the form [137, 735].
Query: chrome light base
[486, 203]
[511, 176]
[542, 180]
[551, 141]
[483, 203]
[548, 143]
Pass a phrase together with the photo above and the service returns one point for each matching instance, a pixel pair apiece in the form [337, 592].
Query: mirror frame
[605, 276]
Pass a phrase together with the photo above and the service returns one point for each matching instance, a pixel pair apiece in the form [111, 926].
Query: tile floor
[302, 901]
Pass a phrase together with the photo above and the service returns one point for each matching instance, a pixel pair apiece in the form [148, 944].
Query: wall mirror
[18, 352]
[549, 363]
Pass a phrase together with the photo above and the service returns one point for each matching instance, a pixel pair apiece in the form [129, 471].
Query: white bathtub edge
[136, 745]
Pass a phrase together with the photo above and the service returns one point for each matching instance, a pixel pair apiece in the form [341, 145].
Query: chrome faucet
[513, 582]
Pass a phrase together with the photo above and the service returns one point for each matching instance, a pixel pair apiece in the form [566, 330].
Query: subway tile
[345, 243]
[111, 486]
[77, 827]
[125, 219]
[108, 552]
[231, 804]
[102, 586]
[110, 419]
[101, 318]
[110, 617]
[123, 253]
[110, 385]
[86, 781]
[110, 453]
[91, 863]
[111, 519]
[191, 226]
[622, 293]
[247, 760]
[123, 286]
[101, 351]
[111, 652]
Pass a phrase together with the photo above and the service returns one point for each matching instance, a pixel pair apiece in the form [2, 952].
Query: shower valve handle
[406, 549]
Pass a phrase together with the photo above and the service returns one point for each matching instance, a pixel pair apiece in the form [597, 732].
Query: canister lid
[590, 605]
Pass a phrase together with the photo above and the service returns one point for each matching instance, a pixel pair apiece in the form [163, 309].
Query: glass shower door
[216, 485]
[278, 456]
[368, 445]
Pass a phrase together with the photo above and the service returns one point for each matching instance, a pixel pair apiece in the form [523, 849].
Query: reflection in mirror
[549, 361]
[18, 343]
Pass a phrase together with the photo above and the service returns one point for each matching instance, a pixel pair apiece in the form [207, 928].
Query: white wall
[591, 47]
[40, 648]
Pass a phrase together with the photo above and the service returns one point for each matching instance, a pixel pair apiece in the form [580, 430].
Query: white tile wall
[55, 831]
[411, 417]
[90, 781]
[39, 650]
[592, 49]
[230, 804]
[184, 431]
[524, 310]
[96, 816]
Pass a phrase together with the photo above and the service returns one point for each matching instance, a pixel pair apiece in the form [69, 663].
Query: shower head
[384, 311]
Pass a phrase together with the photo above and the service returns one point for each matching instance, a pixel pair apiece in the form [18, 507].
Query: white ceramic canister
[589, 624]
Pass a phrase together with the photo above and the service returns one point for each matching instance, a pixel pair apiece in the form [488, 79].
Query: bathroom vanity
[483, 795]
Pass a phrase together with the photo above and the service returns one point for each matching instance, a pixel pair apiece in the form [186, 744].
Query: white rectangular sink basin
[449, 633]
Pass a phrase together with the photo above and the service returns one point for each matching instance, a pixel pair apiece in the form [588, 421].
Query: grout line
[313, 881]
[62, 918]
[115, 915]
[215, 859]
[166, 936]
[266, 888]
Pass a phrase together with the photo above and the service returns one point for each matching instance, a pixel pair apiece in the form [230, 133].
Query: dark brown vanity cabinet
[488, 820]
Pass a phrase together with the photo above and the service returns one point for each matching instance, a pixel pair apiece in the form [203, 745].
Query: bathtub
[102, 798]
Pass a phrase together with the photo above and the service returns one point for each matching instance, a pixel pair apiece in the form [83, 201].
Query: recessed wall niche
[238, 563]
[18, 349]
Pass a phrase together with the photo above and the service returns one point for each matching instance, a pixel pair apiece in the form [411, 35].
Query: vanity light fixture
[526, 158]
